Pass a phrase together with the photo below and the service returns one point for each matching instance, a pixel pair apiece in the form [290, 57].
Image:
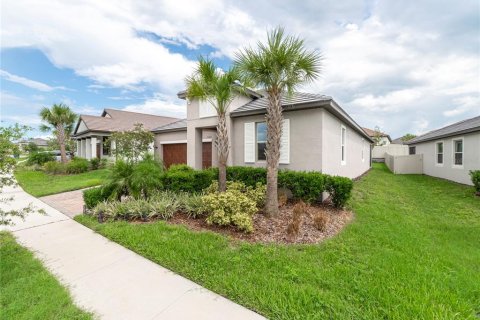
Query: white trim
[437, 153]
[343, 144]
[182, 141]
[458, 166]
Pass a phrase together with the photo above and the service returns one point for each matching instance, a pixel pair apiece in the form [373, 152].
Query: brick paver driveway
[69, 203]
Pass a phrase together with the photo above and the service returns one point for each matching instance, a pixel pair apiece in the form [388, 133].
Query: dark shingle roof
[174, 126]
[464, 126]
[298, 98]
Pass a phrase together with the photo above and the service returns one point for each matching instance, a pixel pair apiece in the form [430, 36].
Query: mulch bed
[274, 230]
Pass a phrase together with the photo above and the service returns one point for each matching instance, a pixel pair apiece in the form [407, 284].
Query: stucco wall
[305, 140]
[471, 158]
[378, 152]
[332, 152]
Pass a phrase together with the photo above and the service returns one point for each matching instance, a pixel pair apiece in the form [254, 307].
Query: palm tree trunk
[274, 133]
[61, 142]
[222, 149]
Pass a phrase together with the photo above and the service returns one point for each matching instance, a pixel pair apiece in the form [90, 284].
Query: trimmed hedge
[475, 175]
[185, 179]
[77, 165]
[93, 196]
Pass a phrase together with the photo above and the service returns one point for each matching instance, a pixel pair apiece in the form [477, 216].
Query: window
[261, 137]
[412, 150]
[458, 152]
[439, 147]
[343, 144]
[106, 146]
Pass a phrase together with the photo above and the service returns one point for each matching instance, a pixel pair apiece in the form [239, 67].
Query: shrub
[180, 167]
[293, 227]
[54, 167]
[77, 165]
[93, 196]
[320, 220]
[119, 179]
[257, 194]
[39, 158]
[282, 198]
[146, 177]
[248, 175]
[191, 204]
[103, 163]
[340, 189]
[179, 180]
[95, 163]
[306, 186]
[475, 175]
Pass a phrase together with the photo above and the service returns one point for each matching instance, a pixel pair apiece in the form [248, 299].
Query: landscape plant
[279, 67]
[218, 87]
[39, 158]
[475, 175]
[60, 119]
[77, 165]
[133, 145]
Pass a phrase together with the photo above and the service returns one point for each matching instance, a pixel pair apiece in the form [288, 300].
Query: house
[39, 142]
[91, 132]
[317, 135]
[383, 138]
[398, 141]
[450, 152]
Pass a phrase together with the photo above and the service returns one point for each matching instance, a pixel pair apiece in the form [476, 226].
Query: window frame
[343, 145]
[257, 159]
[438, 164]
[414, 150]
[458, 166]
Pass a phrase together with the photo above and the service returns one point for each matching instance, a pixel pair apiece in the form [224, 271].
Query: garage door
[174, 154]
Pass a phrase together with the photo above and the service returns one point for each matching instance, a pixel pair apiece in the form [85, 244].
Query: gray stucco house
[450, 152]
[317, 135]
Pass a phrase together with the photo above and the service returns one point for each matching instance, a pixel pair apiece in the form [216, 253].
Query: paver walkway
[110, 280]
[69, 203]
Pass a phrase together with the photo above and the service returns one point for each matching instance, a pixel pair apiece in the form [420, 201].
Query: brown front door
[206, 155]
[175, 153]
[98, 151]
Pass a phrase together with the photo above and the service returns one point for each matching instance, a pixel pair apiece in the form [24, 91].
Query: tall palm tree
[279, 67]
[218, 87]
[60, 119]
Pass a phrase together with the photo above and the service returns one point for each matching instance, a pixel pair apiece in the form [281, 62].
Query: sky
[404, 66]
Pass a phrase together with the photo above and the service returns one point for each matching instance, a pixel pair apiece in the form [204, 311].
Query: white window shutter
[285, 142]
[249, 143]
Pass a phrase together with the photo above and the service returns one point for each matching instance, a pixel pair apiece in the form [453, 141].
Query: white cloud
[27, 82]
[160, 105]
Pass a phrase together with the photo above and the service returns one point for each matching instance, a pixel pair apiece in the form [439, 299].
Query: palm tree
[60, 119]
[218, 87]
[280, 66]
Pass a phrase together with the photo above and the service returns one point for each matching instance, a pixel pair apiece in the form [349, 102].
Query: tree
[31, 147]
[279, 66]
[133, 145]
[407, 137]
[8, 147]
[377, 136]
[60, 119]
[218, 87]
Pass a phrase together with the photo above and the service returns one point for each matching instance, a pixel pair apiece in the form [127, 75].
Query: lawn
[40, 184]
[28, 290]
[412, 252]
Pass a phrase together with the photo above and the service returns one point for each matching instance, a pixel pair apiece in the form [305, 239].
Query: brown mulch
[274, 229]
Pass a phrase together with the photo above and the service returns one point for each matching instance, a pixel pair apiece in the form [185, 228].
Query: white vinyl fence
[409, 164]
[379, 152]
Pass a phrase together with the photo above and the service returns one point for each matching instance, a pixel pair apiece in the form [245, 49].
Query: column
[93, 144]
[79, 148]
[194, 147]
[88, 149]
[84, 149]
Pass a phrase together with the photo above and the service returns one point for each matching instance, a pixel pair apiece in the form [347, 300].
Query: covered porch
[93, 146]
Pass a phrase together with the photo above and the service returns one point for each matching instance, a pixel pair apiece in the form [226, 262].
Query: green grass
[40, 184]
[412, 252]
[28, 290]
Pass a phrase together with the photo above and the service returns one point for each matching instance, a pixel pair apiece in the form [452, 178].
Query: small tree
[133, 145]
[377, 136]
[408, 137]
[31, 147]
[8, 147]
[60, 119]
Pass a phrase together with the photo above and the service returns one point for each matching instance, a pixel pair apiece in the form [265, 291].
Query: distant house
[450, 152]
[398, 141]
[39, 142]
[384, 139]
[92, 132]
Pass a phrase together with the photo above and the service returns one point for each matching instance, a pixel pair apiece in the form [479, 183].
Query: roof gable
[464, 126]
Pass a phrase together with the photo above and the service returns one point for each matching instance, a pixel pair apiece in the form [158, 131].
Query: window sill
[457, 166]
[438, 164]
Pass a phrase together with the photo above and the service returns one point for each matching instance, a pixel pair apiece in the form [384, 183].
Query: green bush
[77, 165]
[182, 178]
[340, 189]
[119, 179]
[39, 158]
[475, 175]
[257, 193]
[180, 167]
[191, 204]
[248, 175]
[146, 178]
[95, 163]
[306, 186]
[93, 196]
[54, 167]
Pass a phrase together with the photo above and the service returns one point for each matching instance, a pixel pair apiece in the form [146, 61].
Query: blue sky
[403, 66]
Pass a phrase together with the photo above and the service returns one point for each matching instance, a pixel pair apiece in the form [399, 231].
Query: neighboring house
[398, 141]
[317, 135]
[39, 142]
[91, 132]
[450, 152]
[384, 139]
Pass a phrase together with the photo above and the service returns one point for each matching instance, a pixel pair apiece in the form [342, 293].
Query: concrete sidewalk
[110, 280]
